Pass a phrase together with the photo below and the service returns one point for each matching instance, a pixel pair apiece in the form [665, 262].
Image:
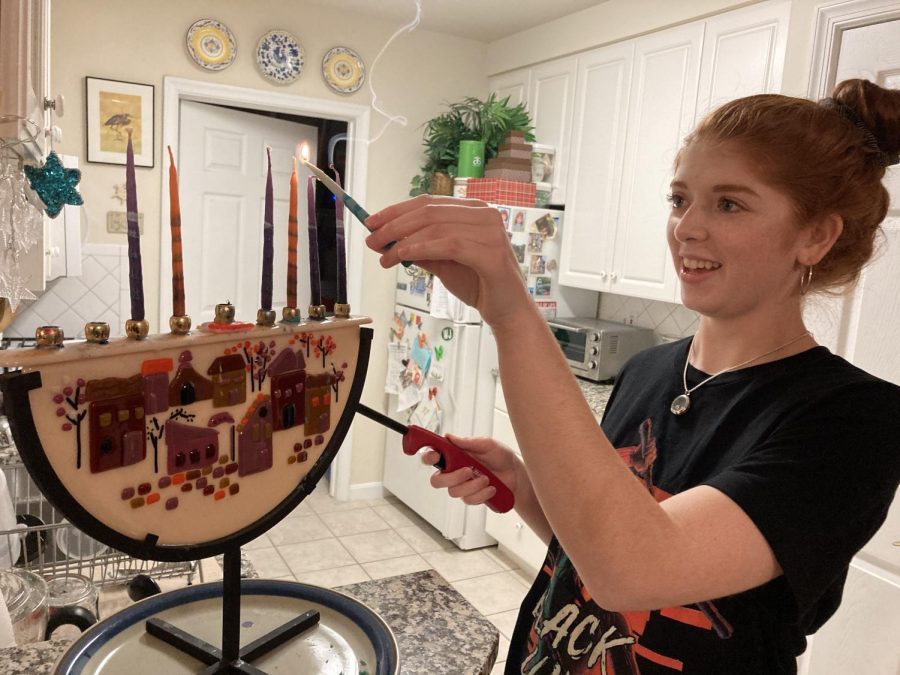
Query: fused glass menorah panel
[171, 447]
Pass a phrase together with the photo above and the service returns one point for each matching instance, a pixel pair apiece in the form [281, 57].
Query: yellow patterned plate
[211, 45]
[343, 69]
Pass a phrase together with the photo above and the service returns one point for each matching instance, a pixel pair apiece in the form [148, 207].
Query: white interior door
[864, 635]
[222, 179]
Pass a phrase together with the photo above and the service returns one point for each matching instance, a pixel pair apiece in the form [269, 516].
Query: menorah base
[213, 657]
[231, 658]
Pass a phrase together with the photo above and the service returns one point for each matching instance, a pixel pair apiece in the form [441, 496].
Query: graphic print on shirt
[573, 635]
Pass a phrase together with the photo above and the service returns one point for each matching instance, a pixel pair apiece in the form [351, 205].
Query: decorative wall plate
[211, 45]
[343, 70]
[279, 56]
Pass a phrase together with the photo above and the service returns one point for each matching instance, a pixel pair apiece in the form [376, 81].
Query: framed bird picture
[114, 108]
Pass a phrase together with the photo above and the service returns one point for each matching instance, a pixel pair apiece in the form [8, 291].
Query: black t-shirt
[806, 446]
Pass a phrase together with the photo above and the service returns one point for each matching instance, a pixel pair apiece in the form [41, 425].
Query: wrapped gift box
[502, 191]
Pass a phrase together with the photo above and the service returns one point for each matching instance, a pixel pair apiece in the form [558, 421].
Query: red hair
[822, 161]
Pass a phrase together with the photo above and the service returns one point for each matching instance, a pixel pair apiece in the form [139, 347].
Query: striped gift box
[502, 191]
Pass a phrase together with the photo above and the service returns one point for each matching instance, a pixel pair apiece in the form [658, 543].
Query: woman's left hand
[464, 243]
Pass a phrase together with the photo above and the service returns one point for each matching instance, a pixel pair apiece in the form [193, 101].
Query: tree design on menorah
[74, 399]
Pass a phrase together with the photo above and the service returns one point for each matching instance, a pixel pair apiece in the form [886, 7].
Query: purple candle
[268, 241]
[315, 292]
[135, 274]
[339, 243]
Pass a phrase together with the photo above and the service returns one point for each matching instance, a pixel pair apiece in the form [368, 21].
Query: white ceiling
[484, 20]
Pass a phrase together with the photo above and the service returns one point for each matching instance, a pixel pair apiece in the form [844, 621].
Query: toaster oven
[597, 349]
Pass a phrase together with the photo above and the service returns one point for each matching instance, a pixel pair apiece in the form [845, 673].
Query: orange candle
[175, 228]
[292, 242]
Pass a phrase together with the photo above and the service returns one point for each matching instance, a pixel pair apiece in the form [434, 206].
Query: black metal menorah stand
[231, 658]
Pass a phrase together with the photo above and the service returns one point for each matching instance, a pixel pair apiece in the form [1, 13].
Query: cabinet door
[25, 74]
[743, 54]
[660, 114]
[602, 87]
[514, 84]
[550, 104]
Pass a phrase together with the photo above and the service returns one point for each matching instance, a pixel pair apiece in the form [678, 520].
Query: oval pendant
[681, 404]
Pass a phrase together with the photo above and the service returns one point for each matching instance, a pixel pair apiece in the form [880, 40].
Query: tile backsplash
[99, 294]
[669, 320]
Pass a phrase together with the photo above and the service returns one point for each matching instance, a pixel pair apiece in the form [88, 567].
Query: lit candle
[292, 242]
[268, 242]
[135, 274]
[315, 292]
[175, 228]
[339, 243]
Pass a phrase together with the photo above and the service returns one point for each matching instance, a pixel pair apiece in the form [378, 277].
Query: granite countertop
[437, 630]
[595, 394]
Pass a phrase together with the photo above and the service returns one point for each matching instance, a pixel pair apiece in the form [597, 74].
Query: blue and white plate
[279, 56]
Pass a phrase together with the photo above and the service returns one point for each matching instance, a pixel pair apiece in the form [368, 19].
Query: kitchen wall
[143, 42]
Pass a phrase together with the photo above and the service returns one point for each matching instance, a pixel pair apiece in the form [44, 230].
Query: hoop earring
[806, 280]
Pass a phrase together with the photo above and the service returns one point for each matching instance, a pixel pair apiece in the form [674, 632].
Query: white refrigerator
[442, 372]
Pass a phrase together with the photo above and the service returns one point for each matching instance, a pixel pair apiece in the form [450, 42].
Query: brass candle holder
[224, 312]
[180, 325]
[265, 317]
[97, 332]
[137, 329]
[317, 312]
[290, 315]
[342, 310]
[49, 337]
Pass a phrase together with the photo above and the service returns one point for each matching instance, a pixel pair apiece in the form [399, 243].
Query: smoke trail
[399, 119]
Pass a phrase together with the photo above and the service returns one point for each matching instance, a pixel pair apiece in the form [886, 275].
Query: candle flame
[304, 152]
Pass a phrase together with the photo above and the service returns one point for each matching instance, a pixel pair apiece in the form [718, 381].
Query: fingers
[466, 484]
[376, 220]
[394, 224]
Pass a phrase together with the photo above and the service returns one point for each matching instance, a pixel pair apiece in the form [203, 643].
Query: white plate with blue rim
[279, 56]
[350, 638]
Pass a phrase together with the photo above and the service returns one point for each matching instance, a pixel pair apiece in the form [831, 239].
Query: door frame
[176, 90]
[830, 23]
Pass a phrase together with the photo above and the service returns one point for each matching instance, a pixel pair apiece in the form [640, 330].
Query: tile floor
[331, 543]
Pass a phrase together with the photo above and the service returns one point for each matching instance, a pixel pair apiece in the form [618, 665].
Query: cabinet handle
[612, 276]
[495, 372]
[602, 275]
[518, 526]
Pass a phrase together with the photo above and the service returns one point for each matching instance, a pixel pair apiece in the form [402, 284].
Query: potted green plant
[488, 120]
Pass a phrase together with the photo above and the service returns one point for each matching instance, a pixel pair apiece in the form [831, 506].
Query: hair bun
[876, 111]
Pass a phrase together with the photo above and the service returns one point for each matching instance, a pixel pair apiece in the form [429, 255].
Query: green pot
[471, 159]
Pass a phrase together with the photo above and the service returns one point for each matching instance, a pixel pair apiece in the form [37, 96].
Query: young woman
[708, 524]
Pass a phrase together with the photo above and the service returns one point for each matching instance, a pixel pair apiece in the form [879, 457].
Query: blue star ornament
[55, 184]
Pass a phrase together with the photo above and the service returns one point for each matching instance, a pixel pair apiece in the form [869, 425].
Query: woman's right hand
[467, 483]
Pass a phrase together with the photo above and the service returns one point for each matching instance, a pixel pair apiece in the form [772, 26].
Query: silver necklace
[682, 403]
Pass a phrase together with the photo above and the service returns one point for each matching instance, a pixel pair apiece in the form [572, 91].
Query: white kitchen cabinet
[660, 114]
[634, 103]
[514, 84]
[603, 85]
[24, 86]
[551, 98]
[743, 54]
[509, 529]
[24, 74]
